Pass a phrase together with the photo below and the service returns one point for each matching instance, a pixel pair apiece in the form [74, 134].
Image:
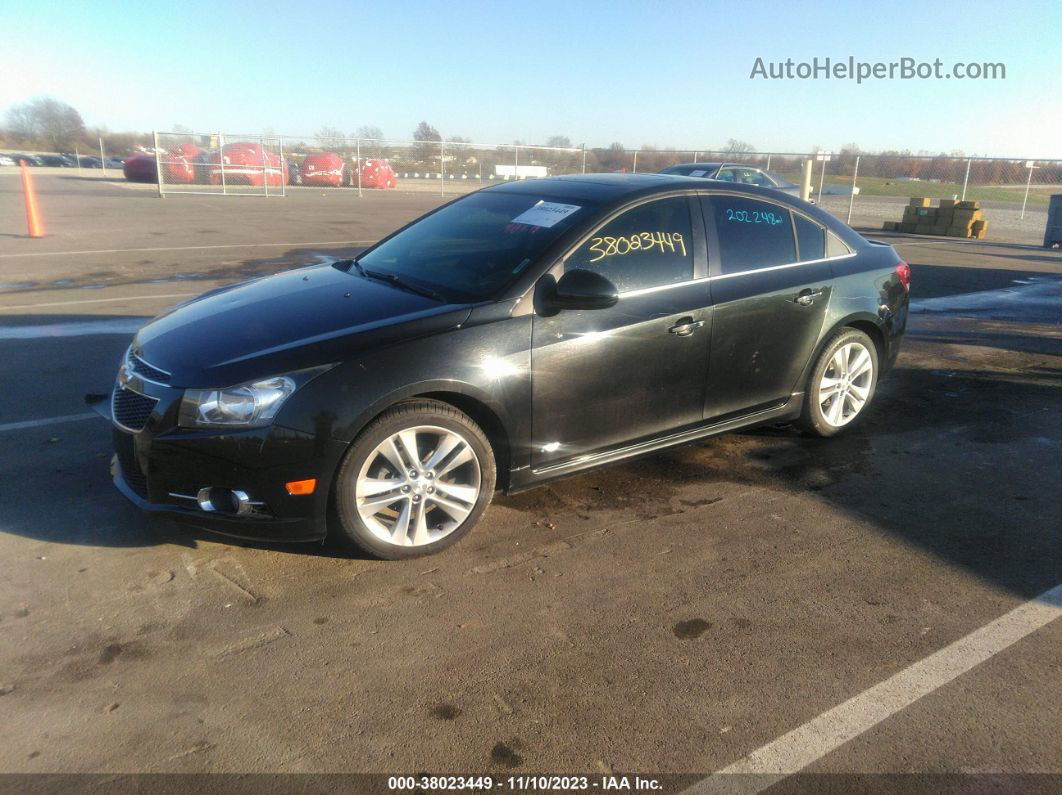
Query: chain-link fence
[866, 190]
[218, 163]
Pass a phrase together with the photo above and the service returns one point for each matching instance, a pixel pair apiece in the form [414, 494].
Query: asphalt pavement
[712, 606]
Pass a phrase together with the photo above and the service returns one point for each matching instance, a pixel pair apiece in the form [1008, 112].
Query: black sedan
[517, 334]
[737, 173]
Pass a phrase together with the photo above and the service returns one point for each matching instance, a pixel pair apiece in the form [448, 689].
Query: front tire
[415, 481]
[841, 384]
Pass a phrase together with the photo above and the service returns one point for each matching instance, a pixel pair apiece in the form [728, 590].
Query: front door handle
[807, 297]
[685, 327]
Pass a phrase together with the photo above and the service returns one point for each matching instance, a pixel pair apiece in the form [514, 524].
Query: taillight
[903, 272]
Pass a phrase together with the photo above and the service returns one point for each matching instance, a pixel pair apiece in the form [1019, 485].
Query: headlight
[244, 406]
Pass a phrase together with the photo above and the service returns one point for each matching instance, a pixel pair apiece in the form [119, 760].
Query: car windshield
[478, 245]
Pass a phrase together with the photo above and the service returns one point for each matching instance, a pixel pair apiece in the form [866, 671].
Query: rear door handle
[807, 297]
[685, 327]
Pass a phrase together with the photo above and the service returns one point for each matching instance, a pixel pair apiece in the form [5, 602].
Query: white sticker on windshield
[698, 173]
[545, 214]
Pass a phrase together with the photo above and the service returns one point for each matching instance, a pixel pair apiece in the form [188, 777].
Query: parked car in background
[141, 168]
[202, 165]
[294, 172]
[115, 162]
[521, 333]
[247, 164]
[322, 169]
[87, 161]
[375, 173]
[7, 160]
[179, 164]
[30, 160]
[57, 161]
[736, 173]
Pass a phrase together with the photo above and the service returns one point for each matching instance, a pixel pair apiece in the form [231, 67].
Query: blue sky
[665, 73]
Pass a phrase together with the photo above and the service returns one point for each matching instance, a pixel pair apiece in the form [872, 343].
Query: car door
[770, 300]
[604, 378]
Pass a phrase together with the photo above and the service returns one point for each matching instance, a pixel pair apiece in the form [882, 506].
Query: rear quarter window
[751, 234]
[835, 247]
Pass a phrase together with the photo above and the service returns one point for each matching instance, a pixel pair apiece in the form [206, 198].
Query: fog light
[214, 499]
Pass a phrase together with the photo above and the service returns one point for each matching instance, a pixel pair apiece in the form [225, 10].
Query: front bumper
[161, 468]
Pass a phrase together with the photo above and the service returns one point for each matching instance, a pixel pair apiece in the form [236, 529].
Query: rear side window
[752, 234]
[647, 246]
[811, 238]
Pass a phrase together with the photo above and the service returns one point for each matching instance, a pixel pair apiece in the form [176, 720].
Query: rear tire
[841, 384]
[415, 481]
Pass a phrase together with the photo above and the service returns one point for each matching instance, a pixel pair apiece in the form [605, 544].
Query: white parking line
[98, 300]
[185, 248]
[806, 744]
[16, 426]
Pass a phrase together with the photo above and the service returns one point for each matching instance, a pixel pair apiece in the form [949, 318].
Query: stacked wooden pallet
[951, 218]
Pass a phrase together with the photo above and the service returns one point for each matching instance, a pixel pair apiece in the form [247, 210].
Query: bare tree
[559, 141]
[330, 137]
[46, 122]
[425, 132]
[369, 131]
[736, 148]
[426, 147]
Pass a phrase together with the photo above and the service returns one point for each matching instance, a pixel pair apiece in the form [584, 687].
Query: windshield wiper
[399, 282]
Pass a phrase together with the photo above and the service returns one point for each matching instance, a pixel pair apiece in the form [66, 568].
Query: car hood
[290, 321]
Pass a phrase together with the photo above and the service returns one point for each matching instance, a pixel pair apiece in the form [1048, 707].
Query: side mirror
[577, 289]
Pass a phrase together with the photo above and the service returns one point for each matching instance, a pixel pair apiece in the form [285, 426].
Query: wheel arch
[861, 321]
[868, 327]
[463, 397]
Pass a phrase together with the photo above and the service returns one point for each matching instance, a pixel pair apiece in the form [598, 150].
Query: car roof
[599, 187]
[707, 166]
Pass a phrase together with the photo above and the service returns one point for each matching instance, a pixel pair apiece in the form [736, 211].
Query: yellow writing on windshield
[664, 242]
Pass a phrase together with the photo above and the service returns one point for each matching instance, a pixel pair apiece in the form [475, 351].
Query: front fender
[489, 364]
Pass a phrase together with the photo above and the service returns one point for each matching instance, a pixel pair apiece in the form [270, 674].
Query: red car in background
[375, 174]
[322, 169]
[140, 168]
[178, 164]
[247, 164]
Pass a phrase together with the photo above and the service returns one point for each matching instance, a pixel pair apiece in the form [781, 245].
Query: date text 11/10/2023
[526, 783]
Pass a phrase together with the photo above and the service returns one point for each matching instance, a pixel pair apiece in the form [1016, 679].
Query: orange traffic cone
[33, 217]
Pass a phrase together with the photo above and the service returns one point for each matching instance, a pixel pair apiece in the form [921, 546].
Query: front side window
[752, 234]
[478, 245]
[647, 246]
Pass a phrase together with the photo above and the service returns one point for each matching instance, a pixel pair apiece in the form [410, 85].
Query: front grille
[131, 471]
[145, 370]
[131, 409]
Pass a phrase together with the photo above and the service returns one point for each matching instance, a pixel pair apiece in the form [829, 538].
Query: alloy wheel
[418, 485]
[845, 385]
